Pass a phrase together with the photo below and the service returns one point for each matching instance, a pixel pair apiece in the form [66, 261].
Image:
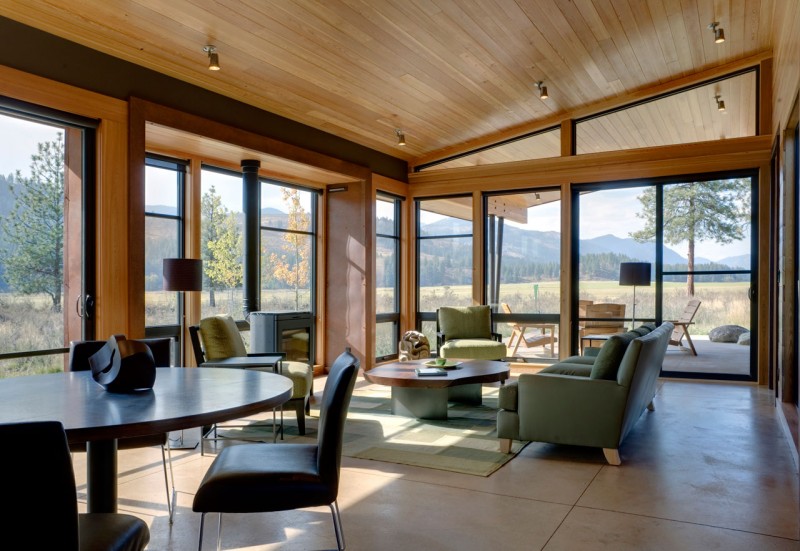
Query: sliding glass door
[46, 206]
[698, 235]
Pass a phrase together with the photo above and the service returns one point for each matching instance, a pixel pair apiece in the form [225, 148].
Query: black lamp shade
[634, 273]
[183, 274]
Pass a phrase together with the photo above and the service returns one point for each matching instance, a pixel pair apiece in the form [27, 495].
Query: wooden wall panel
[786, 63]
[348, 273]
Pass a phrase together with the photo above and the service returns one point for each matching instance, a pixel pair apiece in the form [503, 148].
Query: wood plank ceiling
[445, 72]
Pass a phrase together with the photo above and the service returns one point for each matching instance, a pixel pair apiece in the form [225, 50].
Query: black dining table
[181, 398]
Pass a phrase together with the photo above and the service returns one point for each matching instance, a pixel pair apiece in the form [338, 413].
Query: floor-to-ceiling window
[46, 273]
[163, 238]
[221, 242]
[387, 276]
[697, 234]
[444, 258]
[288, 252]
[523, 270]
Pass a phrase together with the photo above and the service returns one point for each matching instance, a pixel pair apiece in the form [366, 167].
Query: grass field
[28, 323]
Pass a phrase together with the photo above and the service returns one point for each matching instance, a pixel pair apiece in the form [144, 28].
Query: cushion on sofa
[607, 361]
[567, 368]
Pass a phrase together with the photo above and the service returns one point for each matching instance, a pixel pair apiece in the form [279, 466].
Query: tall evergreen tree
[718, 210]
[33, 254]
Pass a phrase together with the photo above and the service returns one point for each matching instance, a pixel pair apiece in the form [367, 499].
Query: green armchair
[591, 404]
[466, 332]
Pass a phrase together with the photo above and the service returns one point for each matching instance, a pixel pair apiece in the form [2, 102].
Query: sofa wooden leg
[612, 456]
[505, 445]
[651, 406]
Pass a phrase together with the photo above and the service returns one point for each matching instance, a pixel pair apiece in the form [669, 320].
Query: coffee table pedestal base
[431, 403]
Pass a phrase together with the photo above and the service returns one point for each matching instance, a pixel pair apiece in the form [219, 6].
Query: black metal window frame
[392, 317]
[429, 316]
[179, 166]
[659, 273]
[313, 233]
[45, 115]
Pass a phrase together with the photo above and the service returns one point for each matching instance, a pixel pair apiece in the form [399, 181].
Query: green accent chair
[221, 339]
[466, 333]
[592, 400]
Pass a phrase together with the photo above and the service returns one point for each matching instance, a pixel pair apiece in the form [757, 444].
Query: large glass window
[221, 242]
[523, 270]
[45, 183]
[722, 109]
[444, 258]
[288, 238]
[163, 236]
[387, 277]
[697, 234]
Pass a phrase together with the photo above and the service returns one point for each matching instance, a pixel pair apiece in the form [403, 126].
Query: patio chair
[602, 318]
[518, 333]
[682, 327]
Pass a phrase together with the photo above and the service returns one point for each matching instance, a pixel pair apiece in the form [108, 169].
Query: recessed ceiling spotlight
[213, 57]
[542, 90]
[401, 138]
[719, 34]
[720, 103]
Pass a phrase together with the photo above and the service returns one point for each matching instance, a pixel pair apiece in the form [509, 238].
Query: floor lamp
[634, 273]
[182, 275]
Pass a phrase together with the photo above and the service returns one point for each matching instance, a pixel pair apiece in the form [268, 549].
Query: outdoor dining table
[181, 398]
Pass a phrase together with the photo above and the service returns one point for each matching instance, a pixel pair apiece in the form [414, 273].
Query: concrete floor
[709, 469]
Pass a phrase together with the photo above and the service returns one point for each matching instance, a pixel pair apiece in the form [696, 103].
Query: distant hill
[742, 261]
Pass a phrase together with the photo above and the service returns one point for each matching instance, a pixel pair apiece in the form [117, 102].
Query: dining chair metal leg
[169, 481]
[202, 522]
[337, 525]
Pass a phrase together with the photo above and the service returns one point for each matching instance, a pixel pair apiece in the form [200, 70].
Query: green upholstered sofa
[466, 332]
[591, 400]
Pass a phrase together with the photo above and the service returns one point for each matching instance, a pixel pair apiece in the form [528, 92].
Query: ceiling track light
[542, 90]
[401, 138]
[720, 103]
[719, 34]
[213, 57]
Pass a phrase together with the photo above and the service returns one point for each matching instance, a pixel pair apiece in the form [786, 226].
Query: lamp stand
[633, 317]
[181, 442]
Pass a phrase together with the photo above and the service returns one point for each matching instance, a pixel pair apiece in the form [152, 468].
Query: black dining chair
[41, 509]
[259, 478]
[161, 348]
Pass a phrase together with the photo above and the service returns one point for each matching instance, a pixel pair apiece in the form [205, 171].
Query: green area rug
[464, 443]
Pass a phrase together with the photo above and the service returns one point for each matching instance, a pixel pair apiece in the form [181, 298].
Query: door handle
[88, 306]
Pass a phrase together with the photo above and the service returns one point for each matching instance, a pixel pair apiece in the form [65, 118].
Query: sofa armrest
[507, 399]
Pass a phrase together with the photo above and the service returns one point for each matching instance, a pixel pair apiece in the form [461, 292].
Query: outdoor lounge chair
[682, 327]
[518, 332]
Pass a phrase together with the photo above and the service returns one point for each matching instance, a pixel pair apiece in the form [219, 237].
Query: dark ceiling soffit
[49, 56]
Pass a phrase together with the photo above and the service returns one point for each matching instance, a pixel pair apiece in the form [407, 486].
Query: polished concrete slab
[710, 468]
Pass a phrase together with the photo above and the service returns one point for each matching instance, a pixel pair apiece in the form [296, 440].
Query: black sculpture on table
[123, 365]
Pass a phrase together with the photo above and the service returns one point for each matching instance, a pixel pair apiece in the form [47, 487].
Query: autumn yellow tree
[292, 265]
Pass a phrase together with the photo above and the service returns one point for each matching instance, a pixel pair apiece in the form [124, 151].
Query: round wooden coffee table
[427, 397]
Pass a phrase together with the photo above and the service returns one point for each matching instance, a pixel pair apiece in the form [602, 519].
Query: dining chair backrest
[39, 487]
[81, 351]
[333, 413]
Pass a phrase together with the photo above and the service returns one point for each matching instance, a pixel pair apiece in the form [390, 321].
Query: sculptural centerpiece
[123, 365]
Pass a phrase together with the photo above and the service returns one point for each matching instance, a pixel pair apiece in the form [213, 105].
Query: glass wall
[43, 195]
[387, 277]
[444, 258]
[288, 238]
[221, 242]
[163, 236]
[523, 270]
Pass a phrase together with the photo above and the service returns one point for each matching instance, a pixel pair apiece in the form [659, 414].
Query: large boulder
[726, 333]
[744, 339]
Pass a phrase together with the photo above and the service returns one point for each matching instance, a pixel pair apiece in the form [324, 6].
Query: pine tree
[718, 210]
[33, 254]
